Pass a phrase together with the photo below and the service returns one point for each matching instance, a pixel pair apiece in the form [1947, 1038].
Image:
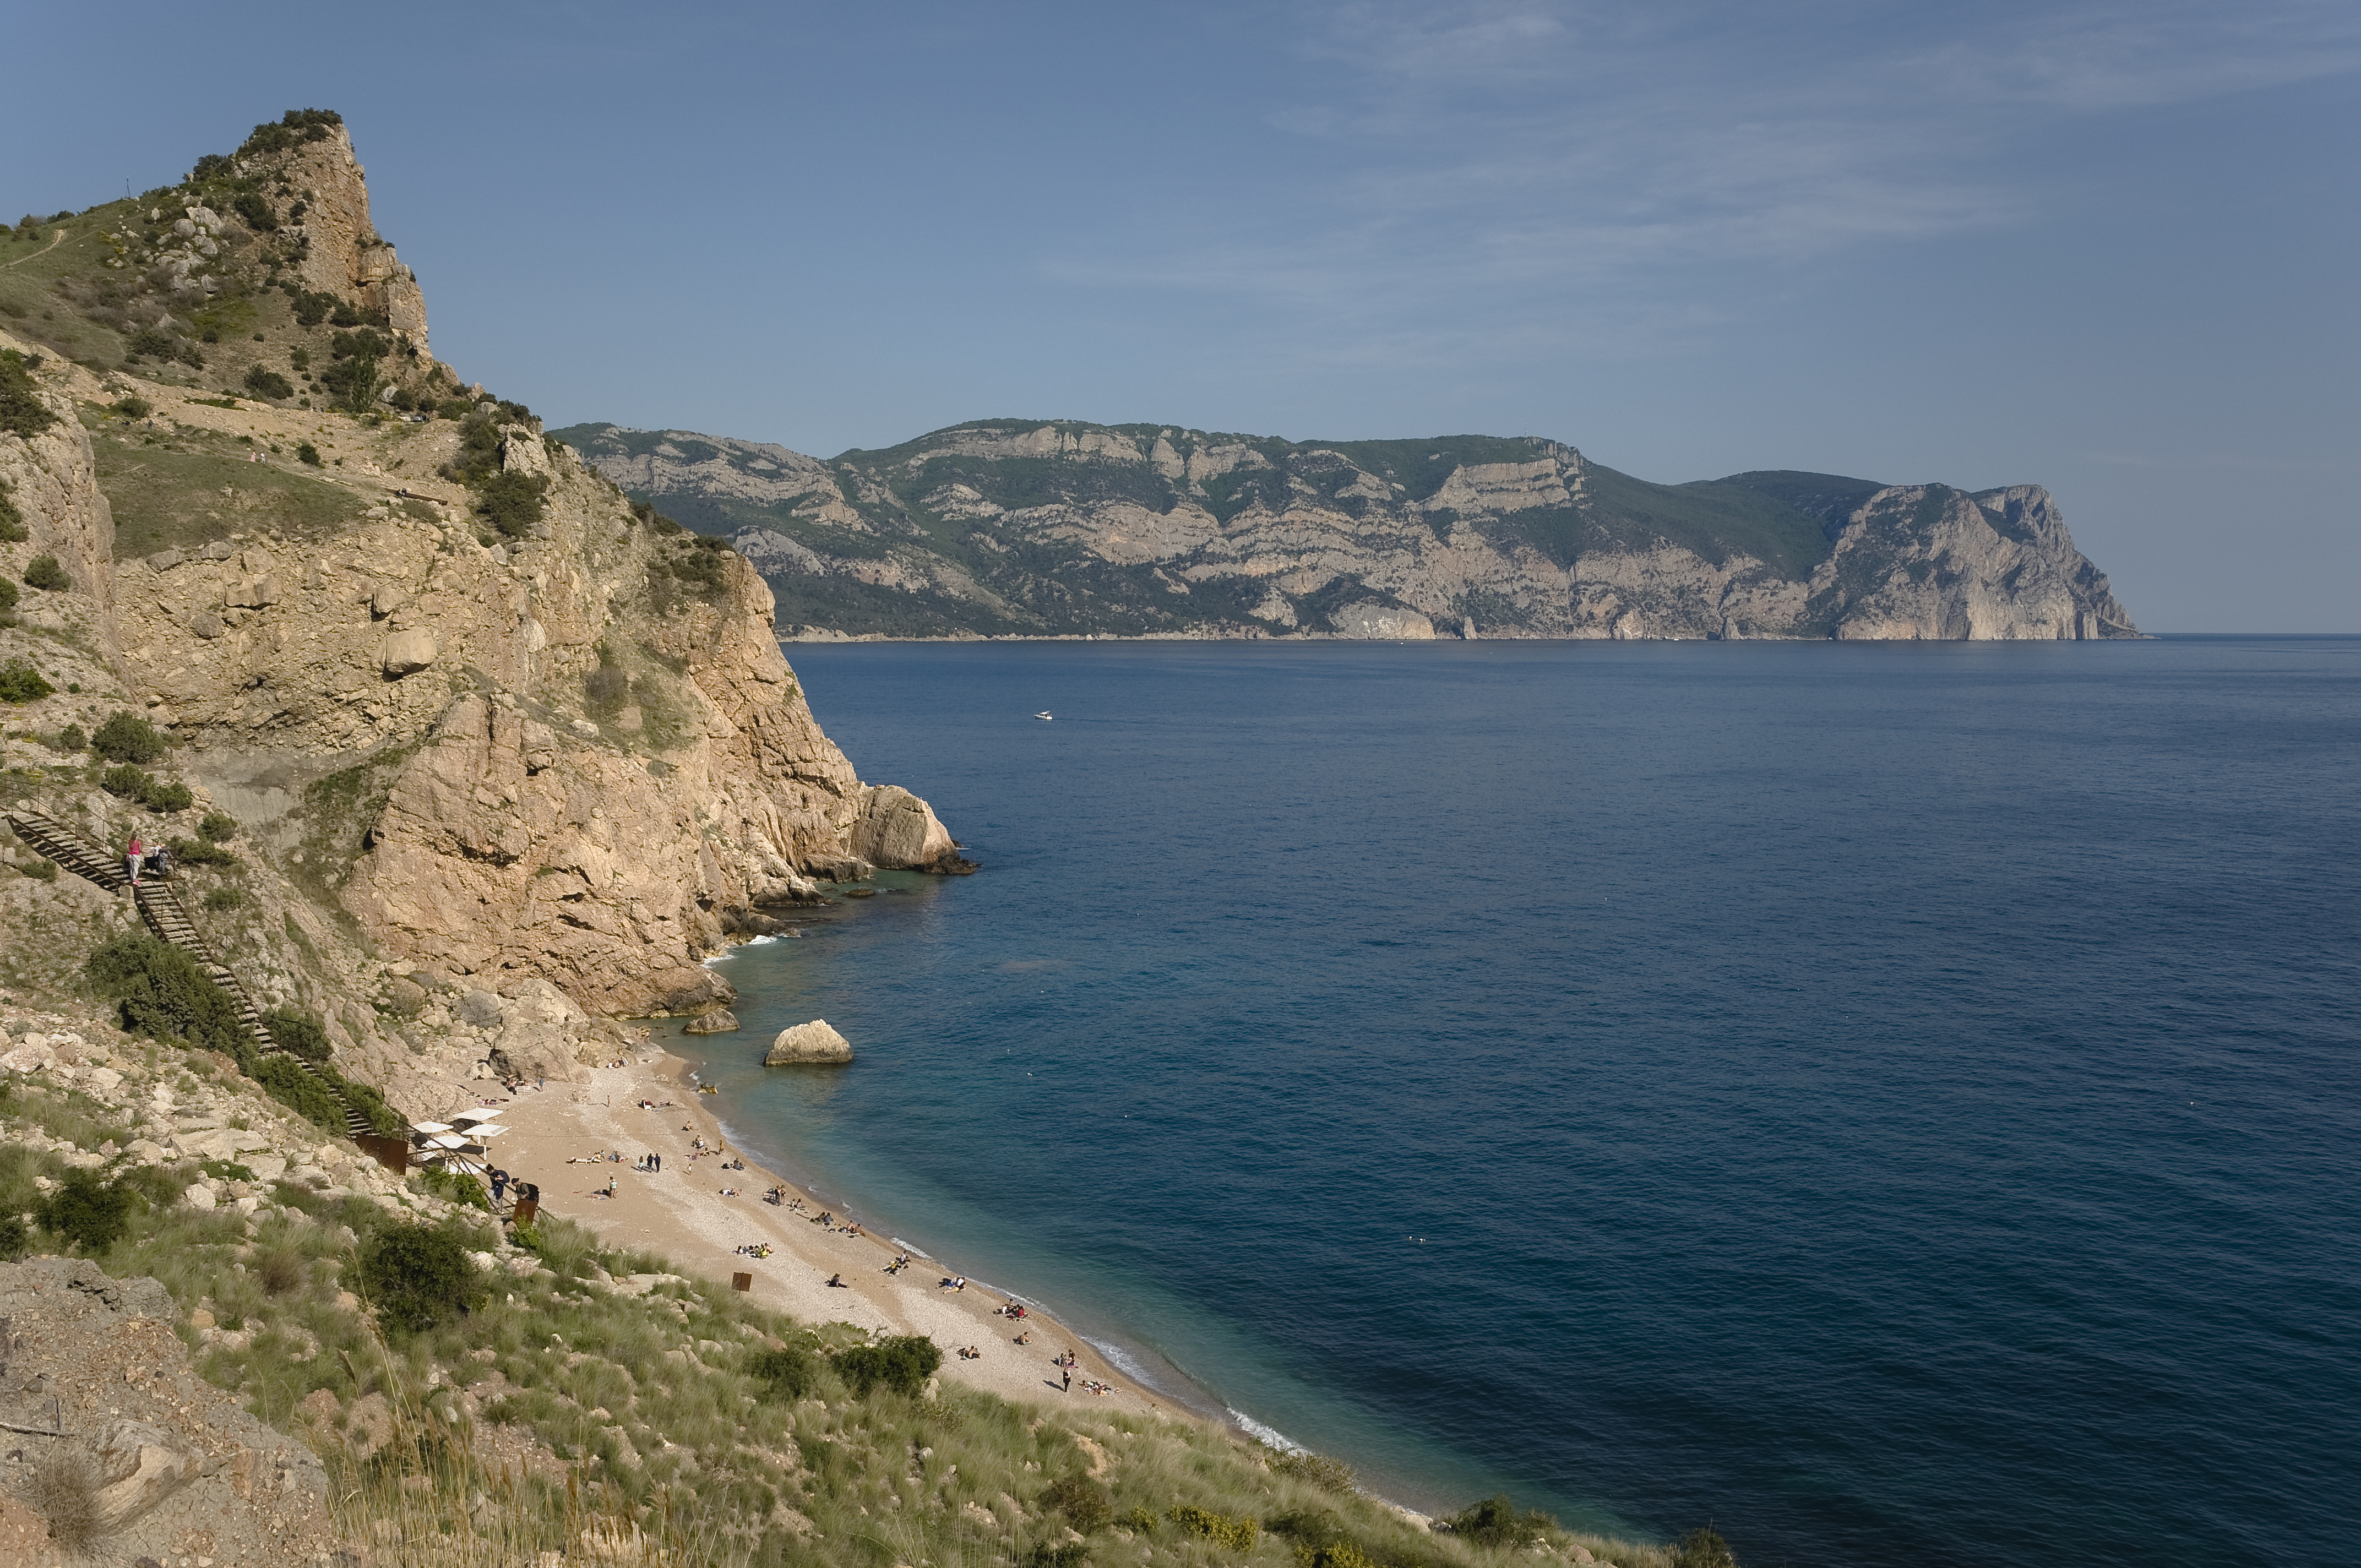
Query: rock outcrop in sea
[1006, 527]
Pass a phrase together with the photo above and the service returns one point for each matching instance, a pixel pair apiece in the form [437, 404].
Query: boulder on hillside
[407, 653]
[809, 1042]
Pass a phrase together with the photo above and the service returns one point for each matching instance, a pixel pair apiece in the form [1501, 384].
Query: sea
[1894, 1103]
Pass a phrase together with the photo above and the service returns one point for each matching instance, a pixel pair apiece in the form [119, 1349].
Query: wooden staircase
[161, 909]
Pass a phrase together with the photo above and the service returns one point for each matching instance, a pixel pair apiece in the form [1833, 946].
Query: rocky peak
[346, 256]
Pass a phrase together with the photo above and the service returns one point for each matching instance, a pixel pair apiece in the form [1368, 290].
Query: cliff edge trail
[1064, 528]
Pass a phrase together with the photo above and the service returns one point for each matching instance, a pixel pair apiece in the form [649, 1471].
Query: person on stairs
[134, 854]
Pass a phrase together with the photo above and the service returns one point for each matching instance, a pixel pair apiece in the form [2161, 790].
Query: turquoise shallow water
[1896, 1102]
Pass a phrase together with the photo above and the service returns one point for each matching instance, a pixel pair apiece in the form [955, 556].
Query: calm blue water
[1898, 1103]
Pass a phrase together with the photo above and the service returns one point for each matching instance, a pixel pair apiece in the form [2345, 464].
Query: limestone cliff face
[1003, 527]
[526, 828]
[52, 479]
[575, 758]
[1926, 563]
[346, 256]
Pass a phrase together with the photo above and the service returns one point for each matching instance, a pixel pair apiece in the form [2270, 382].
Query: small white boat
[1044, 718]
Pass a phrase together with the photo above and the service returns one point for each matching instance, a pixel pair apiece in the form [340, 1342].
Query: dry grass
[658, 1444]
[63, 1489]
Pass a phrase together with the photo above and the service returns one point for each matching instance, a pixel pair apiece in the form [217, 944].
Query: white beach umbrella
[448, 1141]
[429, 1127]
[474, 1113]
[486, 1130]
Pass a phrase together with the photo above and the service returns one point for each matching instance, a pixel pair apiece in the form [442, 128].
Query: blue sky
[2111, 249]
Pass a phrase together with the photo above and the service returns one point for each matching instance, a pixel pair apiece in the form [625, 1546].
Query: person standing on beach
[1066, 1378]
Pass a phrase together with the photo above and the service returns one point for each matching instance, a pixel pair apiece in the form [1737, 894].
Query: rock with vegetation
[1018, 527]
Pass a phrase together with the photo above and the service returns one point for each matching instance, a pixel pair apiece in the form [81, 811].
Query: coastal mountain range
[1065, 528]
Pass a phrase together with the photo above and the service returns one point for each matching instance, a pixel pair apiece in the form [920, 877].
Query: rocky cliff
[1014, 527]
[467, 703]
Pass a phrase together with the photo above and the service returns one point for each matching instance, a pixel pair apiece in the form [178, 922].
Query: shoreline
[683, 1214]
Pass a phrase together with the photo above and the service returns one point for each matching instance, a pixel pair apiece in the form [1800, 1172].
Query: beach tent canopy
[486, 1130]
[474, 1113]
[429, 1127]
[448, 1141]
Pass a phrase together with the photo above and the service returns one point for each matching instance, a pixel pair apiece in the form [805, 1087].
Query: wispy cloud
[1587, 152]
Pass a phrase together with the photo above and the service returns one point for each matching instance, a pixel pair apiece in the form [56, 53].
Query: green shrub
[1495, 1521]
[902, 1364]
[197, 852]
[39, 870]
[125, 782]
[224, 898]
[160, 992]
[1088, 1506]
[151, 342]
[1236, 1532]
[789, 1375]
[479, 450]
[14, 1240]
[1139, 1520]
[166, 795]
[43, 572]
[71, 738]
[133, 407]
[457, 1186]
[1703, 1548]
[7, 602]
[454, 408]
[1318, 1470]
[88, 1211]
[1334, 1554]
[417, 1275]
[126, 738]
[20, 682]
[306, 453]
[265, 383]
[22, 412]
[1073, 1554]
[293, 129]
[298, 1034]
[512, 503]
[364, 1098]
[352, 381]
[299, 358]
[604, 690]
[299, 1092]
[257, 212]
[12, 521]
[218, 828]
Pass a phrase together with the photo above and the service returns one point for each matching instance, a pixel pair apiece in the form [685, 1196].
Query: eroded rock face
[898, 831]
[1185, 532]
[1926, 563]
[504, 831]
[347, 256]
[812, 1044]
[52, 481]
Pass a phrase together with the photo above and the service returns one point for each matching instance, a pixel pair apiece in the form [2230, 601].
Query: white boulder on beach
[812, 1042]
